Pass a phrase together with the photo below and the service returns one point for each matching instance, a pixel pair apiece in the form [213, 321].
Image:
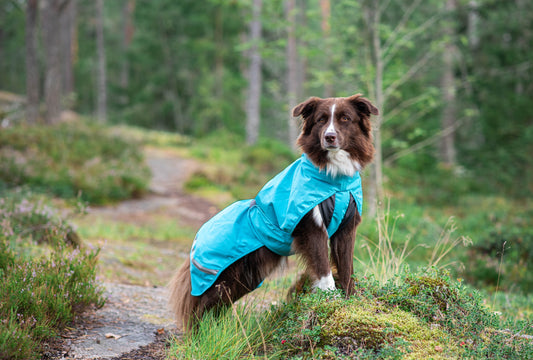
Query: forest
[85, 86]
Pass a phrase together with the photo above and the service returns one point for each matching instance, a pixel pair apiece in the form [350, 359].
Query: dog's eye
[345, 119]
[322, 120]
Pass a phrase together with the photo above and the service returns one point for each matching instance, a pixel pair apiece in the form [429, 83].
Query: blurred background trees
[453, 79]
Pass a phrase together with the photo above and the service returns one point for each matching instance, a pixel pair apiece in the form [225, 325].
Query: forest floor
[134, 322]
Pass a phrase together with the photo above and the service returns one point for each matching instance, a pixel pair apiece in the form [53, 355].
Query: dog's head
[337, 133]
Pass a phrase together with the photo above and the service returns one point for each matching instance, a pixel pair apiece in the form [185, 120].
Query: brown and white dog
[336, 137]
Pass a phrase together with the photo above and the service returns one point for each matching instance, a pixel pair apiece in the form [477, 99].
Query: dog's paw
[325, 283]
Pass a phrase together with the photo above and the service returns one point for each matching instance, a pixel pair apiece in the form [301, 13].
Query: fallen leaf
[112, 336]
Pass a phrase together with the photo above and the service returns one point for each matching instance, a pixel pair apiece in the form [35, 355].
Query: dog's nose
[330, 137]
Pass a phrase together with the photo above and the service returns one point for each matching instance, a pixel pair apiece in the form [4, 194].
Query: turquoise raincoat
[269, 219]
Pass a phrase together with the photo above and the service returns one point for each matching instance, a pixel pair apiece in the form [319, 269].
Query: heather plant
[28, 218]
[44, 285]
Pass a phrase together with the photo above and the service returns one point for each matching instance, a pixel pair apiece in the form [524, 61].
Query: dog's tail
[181, 302]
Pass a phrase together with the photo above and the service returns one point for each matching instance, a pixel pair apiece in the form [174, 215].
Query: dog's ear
[306, 109]
[363, 105]
[365, 108]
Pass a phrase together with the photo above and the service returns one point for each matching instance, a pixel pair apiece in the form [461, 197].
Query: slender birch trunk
[253, 99]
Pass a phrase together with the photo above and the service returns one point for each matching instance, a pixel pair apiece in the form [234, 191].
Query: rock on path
[133, 316]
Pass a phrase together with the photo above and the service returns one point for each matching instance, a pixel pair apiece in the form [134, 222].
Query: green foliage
[185, 72]
[422, 179]
[12, 18]
[156, 138]
[414, 316]
[35, 220]
[43, 287]
[496, 150]
[426, 198]
[385, 258]
[188, 50]
[75, 159]
[424, 315]
[185, 63]
[503, 259]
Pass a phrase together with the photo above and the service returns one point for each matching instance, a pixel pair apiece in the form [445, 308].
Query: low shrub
[43, 286]
[72, 159]
[425, 315]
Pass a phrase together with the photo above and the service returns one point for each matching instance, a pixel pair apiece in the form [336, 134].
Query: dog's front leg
[342, 248]
[311, 242]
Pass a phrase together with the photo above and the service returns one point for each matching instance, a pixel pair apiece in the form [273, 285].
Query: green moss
[377, 326]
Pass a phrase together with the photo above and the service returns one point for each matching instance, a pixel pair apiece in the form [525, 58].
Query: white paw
[325, 283]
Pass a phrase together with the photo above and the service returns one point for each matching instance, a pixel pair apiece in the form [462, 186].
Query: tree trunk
[325, 8]
[253, 99]
[32, 64]
[52, 82]
[447, 145]
[301, 69]
[473, 25]
[292, 70]
[101, 106]
[67, 39]
[219, 53]
[376, 170]
[127, 35]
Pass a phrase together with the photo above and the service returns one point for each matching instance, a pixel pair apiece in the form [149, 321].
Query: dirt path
[135, 321]
[169, 172]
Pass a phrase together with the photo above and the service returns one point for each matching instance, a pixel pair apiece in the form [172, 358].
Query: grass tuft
[236, 332]
[385, 260]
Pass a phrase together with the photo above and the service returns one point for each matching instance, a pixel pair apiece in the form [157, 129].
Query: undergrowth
[419, 315]
[46, 276]
[234, 168]
[72, 159]
[413, 316]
